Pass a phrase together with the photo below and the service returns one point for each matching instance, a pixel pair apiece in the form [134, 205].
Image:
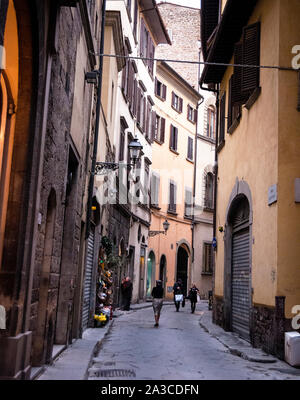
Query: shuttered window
[188, 203]
[209, 192]
[190, 148]
[209, 21]
[251, 56]
[155, 181]
[211, 122]
[177, 102]
[207, 258]
[172, 197]
[222, 118]
[173, 137]
[191, 114]
[160, 89]
[245, 80]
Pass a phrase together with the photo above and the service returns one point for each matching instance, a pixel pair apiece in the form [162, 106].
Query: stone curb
[238, 350]
[97, 348]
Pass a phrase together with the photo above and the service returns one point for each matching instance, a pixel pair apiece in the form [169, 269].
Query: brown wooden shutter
[175, 138]
[164, 92]
[251, 56]
[209, 20]
[130, 84]
[139, 100]
[153, 125]
[222, 118]
[237, 95]
[144, 122]
[142, 37]
[180, 104]
[173, 99]
[190, 148]
[162, 129]
[229, 116]
[125, 74]
[195, 115]
[171, 137]
[134, 106]
[155, 86]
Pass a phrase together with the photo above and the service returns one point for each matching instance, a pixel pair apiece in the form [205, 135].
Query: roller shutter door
[88, 280]
[241, 284]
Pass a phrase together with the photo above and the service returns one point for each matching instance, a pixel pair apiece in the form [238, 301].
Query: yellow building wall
[175, 167]
[251, 154]
[288, 280]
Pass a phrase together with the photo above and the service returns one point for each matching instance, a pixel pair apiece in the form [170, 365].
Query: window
[244, 83]
[112, 100]
[209, 192]
[147, 48]
[146, 185]
[190, 149]
[135, 18]
[160, 124]
[188, 203]
[191, 114]
[222, 119]
[172, 198]
[128, 6]
[177, 102]
[122, 138]
[160, 89]
[173, 138]
[155, 180]
[211, 122]
[207, 258]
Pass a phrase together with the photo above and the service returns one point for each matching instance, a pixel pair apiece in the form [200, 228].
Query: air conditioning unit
[292, 348]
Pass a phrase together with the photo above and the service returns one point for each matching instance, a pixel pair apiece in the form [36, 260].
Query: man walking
[126, 290]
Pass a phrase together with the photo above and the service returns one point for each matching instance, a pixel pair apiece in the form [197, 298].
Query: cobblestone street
[180, 349]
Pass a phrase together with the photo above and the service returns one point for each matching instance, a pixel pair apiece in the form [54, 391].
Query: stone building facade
[48, 47]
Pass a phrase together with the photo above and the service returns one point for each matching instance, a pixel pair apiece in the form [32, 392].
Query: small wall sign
[272, 194]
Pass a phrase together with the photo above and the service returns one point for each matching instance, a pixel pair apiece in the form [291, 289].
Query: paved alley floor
[179, 349]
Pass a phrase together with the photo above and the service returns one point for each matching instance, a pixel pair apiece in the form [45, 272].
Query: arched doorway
[182, 267]
[238, 220]
[163, 270]
[150, 273]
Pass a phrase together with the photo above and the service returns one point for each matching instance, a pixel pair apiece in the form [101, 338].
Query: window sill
[155, 207]
[206, 273]
[189, 218]
[174, 151]
[189, 160]
[179, 112]
[158, 142]
[208, 209]
[159, 97]
[206, 138]
[191, 121]
[252, 99]
[172, 212]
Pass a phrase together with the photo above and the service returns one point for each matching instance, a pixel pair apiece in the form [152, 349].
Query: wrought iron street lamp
[166, 225]
[135, 150]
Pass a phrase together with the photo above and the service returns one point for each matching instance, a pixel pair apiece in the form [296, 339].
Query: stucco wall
[250, 154]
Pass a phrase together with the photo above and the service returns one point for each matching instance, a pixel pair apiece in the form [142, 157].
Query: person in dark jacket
[193, 297]
[157, 302]
[177, 289]
[126, 290]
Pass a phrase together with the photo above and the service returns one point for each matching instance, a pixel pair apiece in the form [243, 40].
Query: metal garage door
[88, 280]
[241, 284]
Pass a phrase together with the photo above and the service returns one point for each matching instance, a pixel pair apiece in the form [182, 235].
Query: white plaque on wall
[297, 190]
[272, 194]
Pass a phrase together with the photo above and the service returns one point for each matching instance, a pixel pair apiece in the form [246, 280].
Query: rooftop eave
[155, 22]
[235, 16]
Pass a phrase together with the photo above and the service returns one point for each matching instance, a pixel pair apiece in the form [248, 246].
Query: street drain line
[114, 373]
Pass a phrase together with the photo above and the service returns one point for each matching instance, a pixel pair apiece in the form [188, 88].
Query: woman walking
[157, 294]
[193, 297]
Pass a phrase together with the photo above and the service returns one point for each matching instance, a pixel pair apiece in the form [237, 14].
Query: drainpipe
[194, 182]
[98, 110]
